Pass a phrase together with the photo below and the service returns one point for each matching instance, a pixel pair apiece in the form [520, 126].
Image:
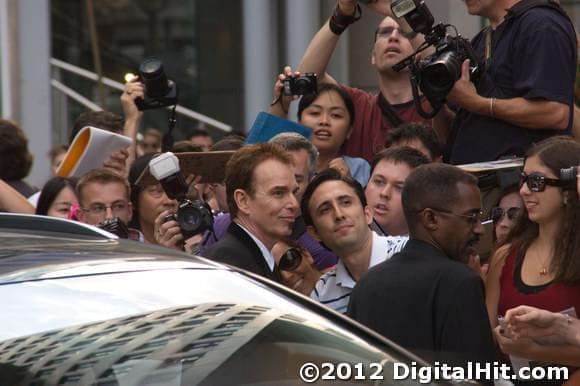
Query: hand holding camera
[193, 216]
[288, 87]
[167, 231]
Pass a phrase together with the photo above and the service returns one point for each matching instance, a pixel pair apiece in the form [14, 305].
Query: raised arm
[12, 201]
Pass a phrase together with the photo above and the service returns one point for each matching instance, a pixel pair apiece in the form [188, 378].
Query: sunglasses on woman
[537, 182]
[498, 213]
[290, 260]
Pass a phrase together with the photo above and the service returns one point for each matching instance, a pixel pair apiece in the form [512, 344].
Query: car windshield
[168, 327]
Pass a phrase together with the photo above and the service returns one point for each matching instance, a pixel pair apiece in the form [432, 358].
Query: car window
[170, 327]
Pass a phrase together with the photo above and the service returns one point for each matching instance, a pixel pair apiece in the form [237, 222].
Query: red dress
[554, 297]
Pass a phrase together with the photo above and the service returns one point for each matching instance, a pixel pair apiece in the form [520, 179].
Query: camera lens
[438, 77]
[154, 78]
[189, 218]
[303, 86]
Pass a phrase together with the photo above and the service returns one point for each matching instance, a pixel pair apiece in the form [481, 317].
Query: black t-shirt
[532, 56]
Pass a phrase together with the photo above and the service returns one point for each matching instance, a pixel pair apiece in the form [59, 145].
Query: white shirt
[334, 287]
[266, 253]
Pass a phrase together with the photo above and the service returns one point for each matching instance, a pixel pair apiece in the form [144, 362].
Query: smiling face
[270, 211]
[304, 277]
[383, 194]
[339, 219]
[543, 207]
[390, 46]
[329, 120]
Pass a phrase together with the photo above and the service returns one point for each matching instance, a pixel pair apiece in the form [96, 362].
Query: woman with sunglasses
[505, 214]
[296, 266]
[539, 263]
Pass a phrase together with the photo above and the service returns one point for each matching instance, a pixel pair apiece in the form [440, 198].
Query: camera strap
[168, 140]
[388, 111]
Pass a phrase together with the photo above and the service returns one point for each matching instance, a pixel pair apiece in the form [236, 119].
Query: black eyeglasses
[472, 218]
[388, 31]
[290, 260]
[497, 213]
[537, 182]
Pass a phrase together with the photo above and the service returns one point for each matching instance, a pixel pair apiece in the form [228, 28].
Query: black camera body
[436, 74]
[306, 84]
[193, 216]
[159, 91]
[115, 226]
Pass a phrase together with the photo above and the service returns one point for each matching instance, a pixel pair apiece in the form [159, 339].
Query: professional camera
[436, 74]
[115, 226]
[193, 216]
[306, 84]
[159, 91]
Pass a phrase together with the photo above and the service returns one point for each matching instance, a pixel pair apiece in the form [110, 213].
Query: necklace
[544, 267]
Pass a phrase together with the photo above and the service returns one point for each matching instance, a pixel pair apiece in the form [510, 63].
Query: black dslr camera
[159, 91]
[193, 217]
[306, 84]
[115, 226]
[436, 74]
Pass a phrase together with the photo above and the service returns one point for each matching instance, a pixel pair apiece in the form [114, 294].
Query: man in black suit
[260, 190]
[426, 298]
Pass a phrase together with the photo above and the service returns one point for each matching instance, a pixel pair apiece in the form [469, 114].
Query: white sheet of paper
[89, 149]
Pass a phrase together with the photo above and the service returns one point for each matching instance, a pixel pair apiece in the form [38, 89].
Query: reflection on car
[82, 308]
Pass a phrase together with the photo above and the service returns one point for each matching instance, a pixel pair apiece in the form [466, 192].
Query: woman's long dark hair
[50, 190]
[556, 153]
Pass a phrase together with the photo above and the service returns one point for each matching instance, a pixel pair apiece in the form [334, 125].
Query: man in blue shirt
[527, 90]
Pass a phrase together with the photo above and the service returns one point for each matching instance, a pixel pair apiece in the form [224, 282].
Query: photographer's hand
[118, 162]
[133, 89]
[464, 94]
[347, 7]
[281, 103]
[167, 234]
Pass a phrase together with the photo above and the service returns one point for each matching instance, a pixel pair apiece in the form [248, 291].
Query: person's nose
[524, 190]
[324, 119]
[386, 191]
[109, 213]
[293, 203]
[395, 35]
[338, 212]
[504, 222]
[478, 229]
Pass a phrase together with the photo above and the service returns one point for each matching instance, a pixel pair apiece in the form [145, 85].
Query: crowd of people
[370, 216]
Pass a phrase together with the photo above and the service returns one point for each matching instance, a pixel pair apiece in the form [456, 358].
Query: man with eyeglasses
[104, 200]
[426, 298]
[375, 114]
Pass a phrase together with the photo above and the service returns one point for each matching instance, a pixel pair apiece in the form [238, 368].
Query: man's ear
[428, 219]
[130, 209]
[242, 198]
[312, 232]
[368, 215]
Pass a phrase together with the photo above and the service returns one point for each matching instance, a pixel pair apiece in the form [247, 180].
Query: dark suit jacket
[237, 248]
[427, 303]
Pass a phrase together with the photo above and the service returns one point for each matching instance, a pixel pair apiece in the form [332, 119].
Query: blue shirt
[532, 57]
